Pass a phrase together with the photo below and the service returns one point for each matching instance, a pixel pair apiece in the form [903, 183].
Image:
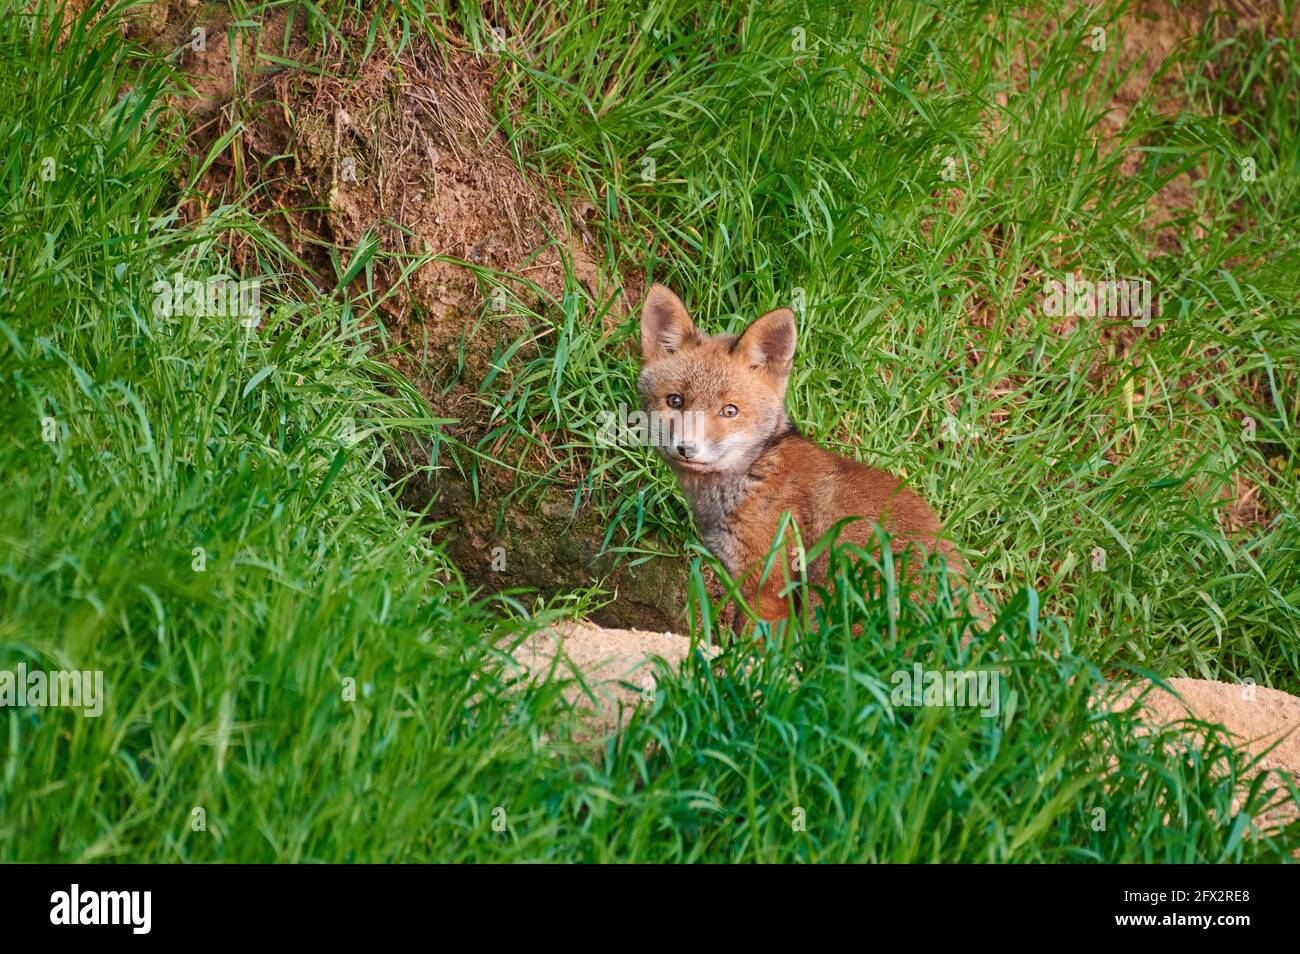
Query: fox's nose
[685, 451]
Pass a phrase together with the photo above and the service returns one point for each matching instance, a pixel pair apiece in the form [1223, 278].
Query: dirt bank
[336, 151]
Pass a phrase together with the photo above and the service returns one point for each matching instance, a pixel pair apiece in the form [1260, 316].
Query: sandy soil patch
[612, 671]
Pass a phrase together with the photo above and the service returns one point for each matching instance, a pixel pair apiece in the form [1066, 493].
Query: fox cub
[742, 464]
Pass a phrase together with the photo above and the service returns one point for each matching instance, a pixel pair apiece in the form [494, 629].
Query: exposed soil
[407, 153]
[609, 672]
[1262, 722]
[1153, 31]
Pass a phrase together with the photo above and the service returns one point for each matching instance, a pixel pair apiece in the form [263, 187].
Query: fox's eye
[730, 411]
[675, 401]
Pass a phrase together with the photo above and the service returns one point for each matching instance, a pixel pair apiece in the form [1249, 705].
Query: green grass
[778, 170]
[325, 688]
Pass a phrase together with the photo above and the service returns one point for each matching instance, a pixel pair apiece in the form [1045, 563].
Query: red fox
[742, 464]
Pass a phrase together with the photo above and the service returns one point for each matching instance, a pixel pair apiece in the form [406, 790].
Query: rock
[616, 666]
[1253, 717]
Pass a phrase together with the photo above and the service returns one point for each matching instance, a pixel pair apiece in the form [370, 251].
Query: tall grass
[199, 510]
[907, 176]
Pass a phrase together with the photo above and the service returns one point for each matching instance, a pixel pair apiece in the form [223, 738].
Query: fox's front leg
[772, 606]
[765, 599]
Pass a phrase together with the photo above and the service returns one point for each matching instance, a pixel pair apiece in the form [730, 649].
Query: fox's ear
[665, 325]
[768, 342]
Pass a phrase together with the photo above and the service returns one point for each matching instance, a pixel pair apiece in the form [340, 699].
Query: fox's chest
[726, 546]
[728, 521]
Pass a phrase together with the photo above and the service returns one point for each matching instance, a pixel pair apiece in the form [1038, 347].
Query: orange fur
[741, 463]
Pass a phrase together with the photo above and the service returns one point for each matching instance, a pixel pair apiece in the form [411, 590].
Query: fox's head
[716, 399]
